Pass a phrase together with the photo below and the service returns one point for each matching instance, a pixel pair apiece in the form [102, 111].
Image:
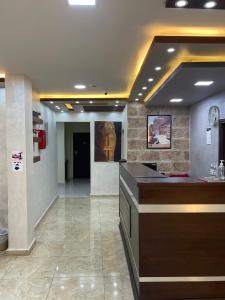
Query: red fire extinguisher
[41, 139]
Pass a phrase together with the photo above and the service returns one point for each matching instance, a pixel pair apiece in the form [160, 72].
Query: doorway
[222, 140]
[81, 155]
[75, 159]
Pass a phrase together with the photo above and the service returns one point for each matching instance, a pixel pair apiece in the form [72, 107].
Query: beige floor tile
[31, 267]
[5, 262]
[28, 289]
[82, 248]
[118, 288]
[78, 243]
[79, 266]
[48, 249]
[80, 288]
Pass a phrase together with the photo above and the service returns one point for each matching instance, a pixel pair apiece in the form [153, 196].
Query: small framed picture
[159, 131]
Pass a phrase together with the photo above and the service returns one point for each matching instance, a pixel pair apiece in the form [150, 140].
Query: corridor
[78, 255]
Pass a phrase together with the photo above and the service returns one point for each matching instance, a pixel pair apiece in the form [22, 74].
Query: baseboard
[21, 252]
[45, 212]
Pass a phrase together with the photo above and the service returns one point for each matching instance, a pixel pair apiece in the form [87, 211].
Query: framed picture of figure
[108, 141]
[159, 131]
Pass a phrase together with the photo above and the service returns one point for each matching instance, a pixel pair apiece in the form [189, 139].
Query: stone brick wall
[174, 160]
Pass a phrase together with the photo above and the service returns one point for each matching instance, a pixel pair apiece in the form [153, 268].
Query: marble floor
[74, 188]
[78, 255]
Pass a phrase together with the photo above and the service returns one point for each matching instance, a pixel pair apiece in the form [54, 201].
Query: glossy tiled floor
[78, 255]
[74, 188]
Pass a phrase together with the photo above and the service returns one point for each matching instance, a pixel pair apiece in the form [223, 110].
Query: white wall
[61, 152]
[104, 176]
[3, 165]
[44, 172]
[202, 155]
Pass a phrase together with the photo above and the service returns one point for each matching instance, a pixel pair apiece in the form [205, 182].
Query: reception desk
[173, 231]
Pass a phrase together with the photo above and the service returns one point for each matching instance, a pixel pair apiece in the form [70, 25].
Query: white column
[19, 138]
[61, 152]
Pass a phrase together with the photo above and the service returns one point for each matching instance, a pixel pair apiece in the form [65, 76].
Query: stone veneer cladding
[174, 160]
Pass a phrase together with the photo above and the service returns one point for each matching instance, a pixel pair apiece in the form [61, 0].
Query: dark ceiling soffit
[193, 65]
[187, 65]
[83, 99]
[178, 40]
[189, 39]
[194, 4]
[2, 80]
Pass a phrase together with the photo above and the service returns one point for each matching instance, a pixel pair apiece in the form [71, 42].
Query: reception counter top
[174, 234]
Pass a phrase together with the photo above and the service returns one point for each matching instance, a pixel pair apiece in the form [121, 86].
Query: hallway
[74, 188]
[78, 255]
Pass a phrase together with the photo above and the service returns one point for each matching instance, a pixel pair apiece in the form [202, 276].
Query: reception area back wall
[174, 160]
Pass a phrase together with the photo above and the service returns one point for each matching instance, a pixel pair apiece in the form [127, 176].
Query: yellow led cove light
[83, 96]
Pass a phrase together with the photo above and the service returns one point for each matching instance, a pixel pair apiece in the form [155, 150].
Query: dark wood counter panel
[174, 235]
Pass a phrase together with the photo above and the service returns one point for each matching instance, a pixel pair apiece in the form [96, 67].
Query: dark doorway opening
[222, 140]
[81, 155]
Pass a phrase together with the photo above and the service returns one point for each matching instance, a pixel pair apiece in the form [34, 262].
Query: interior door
[81, 155]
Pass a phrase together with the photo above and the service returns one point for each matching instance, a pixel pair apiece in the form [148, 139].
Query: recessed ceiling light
[158, 68]
[90, 102]
[181, 3]
[77, 102]
[210, 4]
[57, 107]
[51, 102]
[204, 83]
[80, 86]
[150, 79]
[116, 105]
[144, 88]
[176, 100]
[117, 102]
[69, 106]
[140, 94]
[171, 50]
[136, 99]
[81, 2]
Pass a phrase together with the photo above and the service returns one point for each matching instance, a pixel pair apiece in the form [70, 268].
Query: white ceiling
[57, 45]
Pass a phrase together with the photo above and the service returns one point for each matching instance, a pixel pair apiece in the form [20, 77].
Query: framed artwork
[108, 141]
[159, 131]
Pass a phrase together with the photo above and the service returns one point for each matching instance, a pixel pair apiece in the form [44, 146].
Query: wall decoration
[17, 161]
[209, 136]
[214, 115]
[159, 131]
[108, 141]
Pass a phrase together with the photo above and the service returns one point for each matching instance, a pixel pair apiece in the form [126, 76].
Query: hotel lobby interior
[112, 150]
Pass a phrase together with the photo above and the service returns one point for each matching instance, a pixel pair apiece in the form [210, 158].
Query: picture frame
[159, 132]
[108, 141]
